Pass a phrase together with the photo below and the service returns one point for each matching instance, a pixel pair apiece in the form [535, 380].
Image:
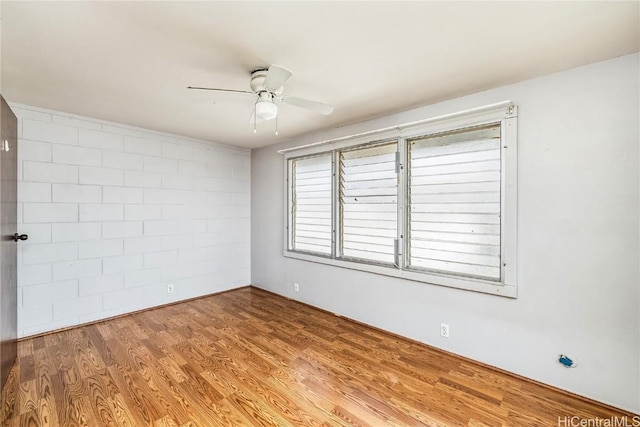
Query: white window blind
[454, 203]
[311, 204]
[368, 203]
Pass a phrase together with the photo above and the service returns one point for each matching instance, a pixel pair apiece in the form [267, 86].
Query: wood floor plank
[136, 396]
[121, 411]
[250, 358]
[47, 412]
[98, 396]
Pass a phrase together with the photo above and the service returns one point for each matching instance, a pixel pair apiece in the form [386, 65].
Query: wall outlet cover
[444, 330]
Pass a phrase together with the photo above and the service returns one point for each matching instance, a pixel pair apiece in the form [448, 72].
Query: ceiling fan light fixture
[266, 109]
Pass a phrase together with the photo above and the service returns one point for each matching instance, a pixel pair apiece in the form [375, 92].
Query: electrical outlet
[444, 330]
[170, 288]
[296, 287]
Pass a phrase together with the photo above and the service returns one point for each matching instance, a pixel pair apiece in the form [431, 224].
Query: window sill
[476, 285]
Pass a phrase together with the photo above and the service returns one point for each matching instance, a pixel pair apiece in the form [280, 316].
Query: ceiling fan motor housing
[257, 82]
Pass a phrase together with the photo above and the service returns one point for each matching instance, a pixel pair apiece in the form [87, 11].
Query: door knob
[17, 237]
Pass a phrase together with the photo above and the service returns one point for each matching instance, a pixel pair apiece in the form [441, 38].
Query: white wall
[578, 238]
[116, 213]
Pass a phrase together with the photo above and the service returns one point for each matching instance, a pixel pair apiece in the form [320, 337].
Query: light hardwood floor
[247, 358]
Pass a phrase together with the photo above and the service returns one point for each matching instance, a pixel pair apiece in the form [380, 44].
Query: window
[432, 201]
[311, 203]
[454, 202]
[368, 203]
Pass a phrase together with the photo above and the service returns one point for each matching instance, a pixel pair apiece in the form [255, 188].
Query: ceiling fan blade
[221, 90]
[276, 76]
[307, 104]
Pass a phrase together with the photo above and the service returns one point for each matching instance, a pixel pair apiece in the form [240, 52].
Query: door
[8, 245]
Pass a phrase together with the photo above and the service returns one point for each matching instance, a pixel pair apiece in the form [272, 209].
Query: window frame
[504, 113]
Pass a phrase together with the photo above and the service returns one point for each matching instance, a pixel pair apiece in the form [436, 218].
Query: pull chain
[255, 110]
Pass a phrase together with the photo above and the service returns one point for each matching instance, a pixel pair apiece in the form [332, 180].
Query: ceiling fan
[267, 86]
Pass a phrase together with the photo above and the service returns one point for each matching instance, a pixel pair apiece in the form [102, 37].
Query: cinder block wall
[114, 214]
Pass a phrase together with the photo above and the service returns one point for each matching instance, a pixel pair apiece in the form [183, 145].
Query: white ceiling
[129, 62]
